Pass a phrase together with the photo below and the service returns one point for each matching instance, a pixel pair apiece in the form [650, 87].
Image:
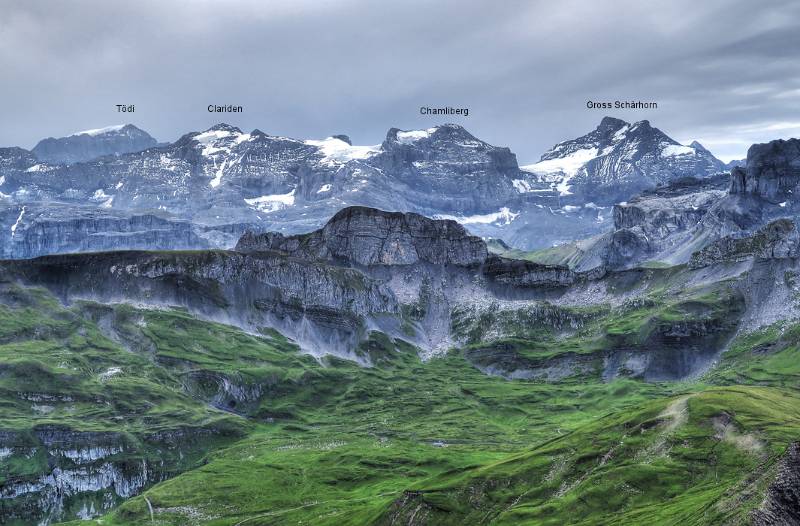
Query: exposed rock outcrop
[324, 307]
[778, 239]
[781, 506]
[519, 273]
[772, 171]
[366, 236]
[42, 228]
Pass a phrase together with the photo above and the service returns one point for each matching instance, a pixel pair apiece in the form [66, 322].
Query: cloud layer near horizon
[726, 73]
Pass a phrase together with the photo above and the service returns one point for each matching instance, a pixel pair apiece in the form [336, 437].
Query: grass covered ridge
[281, 438]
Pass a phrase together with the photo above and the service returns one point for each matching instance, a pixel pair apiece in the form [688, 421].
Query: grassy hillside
[240, 428]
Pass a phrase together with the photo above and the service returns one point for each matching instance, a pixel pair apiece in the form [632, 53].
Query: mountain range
[238, 328]
[207, 188]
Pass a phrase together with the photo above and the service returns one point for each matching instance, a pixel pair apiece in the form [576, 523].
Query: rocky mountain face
[618, 160]
[782, 501]
[56, 228]
[223, 178]
[91, 144]
[224, 181]
[772, 172]
[691, 220]
[366, 269]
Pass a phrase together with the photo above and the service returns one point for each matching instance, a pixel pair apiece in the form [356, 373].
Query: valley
[302, 263]
[390, 368]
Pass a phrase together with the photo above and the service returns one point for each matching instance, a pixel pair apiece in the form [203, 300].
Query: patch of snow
[244, 137]
[593, 206]
[502, 217]
[674, 150]
[215, 182]
[522, 186]
[100, 195]
[118, 185]
[620, 134]
[208, 141]
[100, 131]
[782, 205]
[324, 188]
[571, 208]
[37, 168]
[337, 151]
[561, 170]
[19, 220]
[271, 203]
[412, 136]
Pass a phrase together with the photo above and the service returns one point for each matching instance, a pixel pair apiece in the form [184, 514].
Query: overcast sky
[726, 73]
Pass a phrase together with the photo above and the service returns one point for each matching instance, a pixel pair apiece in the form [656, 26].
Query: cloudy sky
[726, 73]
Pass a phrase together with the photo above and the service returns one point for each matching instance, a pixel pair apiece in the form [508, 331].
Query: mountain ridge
[619, 159]
[91, 144]
[225, 181]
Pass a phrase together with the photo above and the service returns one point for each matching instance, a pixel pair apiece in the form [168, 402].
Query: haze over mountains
[208, 187]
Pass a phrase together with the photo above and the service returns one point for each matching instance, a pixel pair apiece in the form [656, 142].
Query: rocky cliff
[366, 236]
[781, 503]
[777, 240]
[772, 171]
[324, 308]
[711, 218]
[43, 228]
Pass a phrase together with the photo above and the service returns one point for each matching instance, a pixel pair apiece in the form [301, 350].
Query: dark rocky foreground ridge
[366, 236]
[422, 280]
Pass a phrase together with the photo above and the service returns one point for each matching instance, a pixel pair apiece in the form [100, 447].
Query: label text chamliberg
[447, 110]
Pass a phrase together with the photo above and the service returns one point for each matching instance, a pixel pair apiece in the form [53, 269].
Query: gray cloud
[726, 73]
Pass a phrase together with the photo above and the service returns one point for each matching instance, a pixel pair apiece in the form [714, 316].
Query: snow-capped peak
[100, 131]
[618, 153]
